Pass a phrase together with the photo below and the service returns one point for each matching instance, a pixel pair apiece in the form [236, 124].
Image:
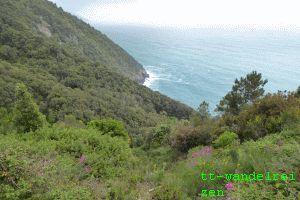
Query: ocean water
[193, 65]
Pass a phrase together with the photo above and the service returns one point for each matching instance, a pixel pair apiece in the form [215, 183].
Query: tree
[244, 91]
[203, 110]
[298, 92]
[26, 112]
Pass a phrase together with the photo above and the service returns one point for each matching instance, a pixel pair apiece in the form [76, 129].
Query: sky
[187, 13]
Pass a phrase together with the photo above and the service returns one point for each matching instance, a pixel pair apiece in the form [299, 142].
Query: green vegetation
[37, 30]
[72, 69]
[225, 139]
[110, 127]
[26, 113]
[72, 126]
[101, 160]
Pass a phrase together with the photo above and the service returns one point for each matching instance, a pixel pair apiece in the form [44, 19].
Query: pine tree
[244, 91]
[298, 92]
[203, 110]
[26, 112]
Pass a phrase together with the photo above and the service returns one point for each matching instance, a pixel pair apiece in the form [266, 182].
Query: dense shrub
[50, 163]
[6, 125]
[26, 113]
[102, 155]
[265, 116]
[110, 127]
[158, 136]
[225, 139]
[187, 137]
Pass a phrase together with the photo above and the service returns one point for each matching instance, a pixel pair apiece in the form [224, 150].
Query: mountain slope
[73, 70]
[42, 17]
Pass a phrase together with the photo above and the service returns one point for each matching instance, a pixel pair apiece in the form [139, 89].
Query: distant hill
[73, 69]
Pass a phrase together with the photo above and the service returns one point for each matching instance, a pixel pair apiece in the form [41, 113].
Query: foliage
[297, 93]
[110, 127]
[77, 76]
[72, 69]
[166, 192]
[26, 113]
[187, 137]
[225, 139]
[158, 136]
[265, 116]
[244, 91]
[59, 162]
[203, 110]
[6, 125]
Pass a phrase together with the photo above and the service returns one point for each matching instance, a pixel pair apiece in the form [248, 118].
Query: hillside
[44, 19]
[72, 69]
[72, 126]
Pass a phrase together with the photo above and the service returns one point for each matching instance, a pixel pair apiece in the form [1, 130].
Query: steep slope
[73, 69]
[42, 17]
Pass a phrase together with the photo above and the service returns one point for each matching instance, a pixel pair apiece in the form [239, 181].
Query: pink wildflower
[229, 186]
[82, 159]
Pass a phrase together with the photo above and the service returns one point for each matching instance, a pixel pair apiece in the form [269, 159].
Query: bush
[110, 127]
[187, 137]
[56, 163]
[6, 126]
[26, 113]
[265, 116]
[225, 139]
[158, 136]
[100, 155]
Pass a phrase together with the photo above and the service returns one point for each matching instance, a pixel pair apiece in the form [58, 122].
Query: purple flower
[229, 186]
[82, 159]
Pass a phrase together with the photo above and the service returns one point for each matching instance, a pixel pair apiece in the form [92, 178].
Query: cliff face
[141, 76]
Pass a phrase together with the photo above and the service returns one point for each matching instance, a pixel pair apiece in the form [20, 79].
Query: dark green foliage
[187, 137]
[265, 116]
[37, 29]
[297, 94]
[26, 113]
[246, 90]
[70, 68]
[6, 125]
[110, 127]
[70, 121]
[158, 136]
[203, 110]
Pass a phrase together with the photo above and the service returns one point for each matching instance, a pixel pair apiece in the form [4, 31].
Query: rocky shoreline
[142, 76]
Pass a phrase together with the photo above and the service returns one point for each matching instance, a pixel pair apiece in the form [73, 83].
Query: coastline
[149, 79]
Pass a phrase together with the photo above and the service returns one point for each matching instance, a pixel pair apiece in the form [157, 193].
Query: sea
[201, 64]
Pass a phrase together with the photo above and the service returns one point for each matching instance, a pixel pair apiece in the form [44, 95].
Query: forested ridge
[72, 69]
[75, 125]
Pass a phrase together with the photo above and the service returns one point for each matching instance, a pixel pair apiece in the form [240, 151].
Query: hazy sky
[193, 13]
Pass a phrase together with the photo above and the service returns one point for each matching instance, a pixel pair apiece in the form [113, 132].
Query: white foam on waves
[151, 79]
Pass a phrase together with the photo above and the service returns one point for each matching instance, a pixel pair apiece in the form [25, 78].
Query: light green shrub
[225, 139]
